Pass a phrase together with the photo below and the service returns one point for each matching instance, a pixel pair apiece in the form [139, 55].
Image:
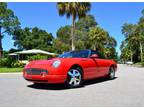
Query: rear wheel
[111, 74]
[74, 78]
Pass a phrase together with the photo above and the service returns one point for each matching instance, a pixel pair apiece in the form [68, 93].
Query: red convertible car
[71, 68]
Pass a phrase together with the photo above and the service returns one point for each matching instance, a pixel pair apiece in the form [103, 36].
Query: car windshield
[75, 54]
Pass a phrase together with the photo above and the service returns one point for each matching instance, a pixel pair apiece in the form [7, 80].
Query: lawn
[10, 70]
[139, 64]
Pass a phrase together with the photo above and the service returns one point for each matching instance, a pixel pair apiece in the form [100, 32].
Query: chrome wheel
[74, 78]
[111, 73]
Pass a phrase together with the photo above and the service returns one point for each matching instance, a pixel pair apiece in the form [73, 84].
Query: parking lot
[127, 89]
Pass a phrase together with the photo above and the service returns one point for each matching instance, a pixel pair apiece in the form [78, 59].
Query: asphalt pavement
[127, 89]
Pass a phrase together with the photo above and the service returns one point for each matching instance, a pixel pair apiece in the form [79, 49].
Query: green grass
[10, 70]
[139, 63]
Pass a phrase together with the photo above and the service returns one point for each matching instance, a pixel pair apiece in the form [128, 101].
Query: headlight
[56, 63]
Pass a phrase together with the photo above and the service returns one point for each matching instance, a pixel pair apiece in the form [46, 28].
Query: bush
[18, 64]
[143, 64]
[37, 57]
[3, 62]
[11, 63]
[140, 63]
[7, 62]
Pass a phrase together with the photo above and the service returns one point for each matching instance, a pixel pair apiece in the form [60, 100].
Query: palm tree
[140, 34]
[74, 9]
[111, 42]
[98, 38]
[126, 53]
[109, 50]
[134, 37]
[129, 43]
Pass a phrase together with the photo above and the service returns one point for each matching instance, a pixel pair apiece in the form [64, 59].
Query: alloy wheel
[74, 78]
[111, 73]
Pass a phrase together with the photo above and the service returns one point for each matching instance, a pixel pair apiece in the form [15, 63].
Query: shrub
[37, 57]
[7, 62]
[3, 62]
[140, 63]
[18, 64]
[143, 64]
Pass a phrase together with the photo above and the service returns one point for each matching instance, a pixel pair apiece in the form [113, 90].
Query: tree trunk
[94, 47]
[141, 52]
[1, 49]
[72, 33]
[131, 56]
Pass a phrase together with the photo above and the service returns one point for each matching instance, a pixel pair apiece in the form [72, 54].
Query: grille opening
[35, 71]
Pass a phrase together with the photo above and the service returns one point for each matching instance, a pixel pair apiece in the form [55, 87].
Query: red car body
[46, 73]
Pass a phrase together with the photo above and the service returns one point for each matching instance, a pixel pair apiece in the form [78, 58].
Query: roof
[33, 51]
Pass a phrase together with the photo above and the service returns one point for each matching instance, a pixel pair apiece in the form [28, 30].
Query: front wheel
[111, 74]
[74, 78]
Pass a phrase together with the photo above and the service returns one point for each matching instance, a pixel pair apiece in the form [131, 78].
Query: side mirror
[94, 56]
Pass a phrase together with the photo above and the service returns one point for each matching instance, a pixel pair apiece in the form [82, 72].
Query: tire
[111, 74]
[74, 78]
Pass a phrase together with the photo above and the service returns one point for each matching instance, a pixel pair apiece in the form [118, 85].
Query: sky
[110, 16]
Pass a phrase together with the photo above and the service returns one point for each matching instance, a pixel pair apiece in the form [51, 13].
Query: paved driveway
[126, 90]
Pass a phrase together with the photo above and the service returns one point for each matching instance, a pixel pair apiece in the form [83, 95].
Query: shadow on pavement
[96, 81]
[48, 86]
[63, 87]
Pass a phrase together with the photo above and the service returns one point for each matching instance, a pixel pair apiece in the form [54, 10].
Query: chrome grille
[35, 71]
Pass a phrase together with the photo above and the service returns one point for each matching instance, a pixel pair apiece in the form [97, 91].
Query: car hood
[40, 63]
[47, 63]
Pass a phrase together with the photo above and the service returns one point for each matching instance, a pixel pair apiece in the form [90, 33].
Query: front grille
[35, 71]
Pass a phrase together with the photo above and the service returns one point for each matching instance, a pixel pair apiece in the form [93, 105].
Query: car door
[103, 66]
[89, 67]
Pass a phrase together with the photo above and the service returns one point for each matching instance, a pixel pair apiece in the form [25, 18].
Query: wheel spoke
[74, 72]
[77, 74]
[70, 73]
[75, 82]
[71, 81]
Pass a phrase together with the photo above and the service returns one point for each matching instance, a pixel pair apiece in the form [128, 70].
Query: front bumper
[45, 78]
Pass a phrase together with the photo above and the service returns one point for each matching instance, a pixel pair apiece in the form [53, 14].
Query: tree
[86, 23]
[97, 37]
[59, 47]
[34, 38]
[8, 23]
[101, 41]
[109, 50]
[140, 33]
[134, 38]
[128, 29]
[130, 40]
[83, 25]
[74, 9]
[126, 54]
[63, 34]
[62, 42]
[111, 42]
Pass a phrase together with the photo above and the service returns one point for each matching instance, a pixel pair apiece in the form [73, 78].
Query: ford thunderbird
[70, 68]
